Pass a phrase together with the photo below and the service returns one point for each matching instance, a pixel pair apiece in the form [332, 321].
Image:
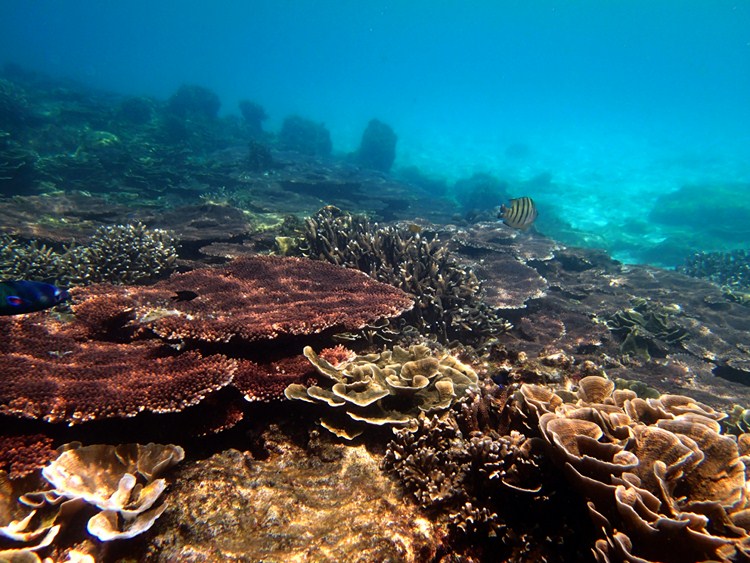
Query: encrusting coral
[389, 388]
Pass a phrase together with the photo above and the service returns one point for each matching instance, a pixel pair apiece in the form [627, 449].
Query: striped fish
[520, 215]
[22, 296]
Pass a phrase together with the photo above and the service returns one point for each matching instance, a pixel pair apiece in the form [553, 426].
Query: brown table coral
[165, 347]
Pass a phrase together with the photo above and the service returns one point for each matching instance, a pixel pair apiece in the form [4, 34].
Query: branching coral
[449, 295]
[130, 253]
[491, 486]
[725, 268]
[121, 254]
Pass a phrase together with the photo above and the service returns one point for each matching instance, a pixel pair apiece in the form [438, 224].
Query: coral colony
[273, 351]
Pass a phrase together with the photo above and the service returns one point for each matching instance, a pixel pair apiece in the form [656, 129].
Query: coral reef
[129, 253]
[480, 194]
[17, 166]
[254, 116]
[661, 480]
[194, 101]
[389, 388]
[492, 487]
[448, 295]
[560, 300]
[165, 347]
[259, 157]
[305, 136]
[377, 149]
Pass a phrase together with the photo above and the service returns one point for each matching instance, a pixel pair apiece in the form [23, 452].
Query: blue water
[618, 102]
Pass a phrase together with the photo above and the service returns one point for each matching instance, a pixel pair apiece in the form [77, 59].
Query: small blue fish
[21, 296]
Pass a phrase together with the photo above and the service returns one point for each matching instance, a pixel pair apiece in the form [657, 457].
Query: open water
[600, 111]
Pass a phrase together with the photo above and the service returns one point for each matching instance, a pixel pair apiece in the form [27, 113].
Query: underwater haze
[628, 122]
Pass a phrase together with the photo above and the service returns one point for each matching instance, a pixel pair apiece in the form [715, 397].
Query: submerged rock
[292, 506]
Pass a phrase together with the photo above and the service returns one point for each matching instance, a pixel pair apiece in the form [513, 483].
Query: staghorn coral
[661, 480]
[448, 296]
[129, 253]
[389, 388]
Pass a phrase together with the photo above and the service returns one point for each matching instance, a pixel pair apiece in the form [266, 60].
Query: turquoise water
[601, 111]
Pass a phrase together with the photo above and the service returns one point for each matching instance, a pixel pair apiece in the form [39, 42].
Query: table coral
[264, 297]
[165, 347]
[23, 454]
[55, 372]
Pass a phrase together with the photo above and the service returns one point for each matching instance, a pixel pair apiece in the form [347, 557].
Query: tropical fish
[520, 215]
[22, 296]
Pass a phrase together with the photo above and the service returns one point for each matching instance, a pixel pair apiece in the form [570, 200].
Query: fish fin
[14, 300]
